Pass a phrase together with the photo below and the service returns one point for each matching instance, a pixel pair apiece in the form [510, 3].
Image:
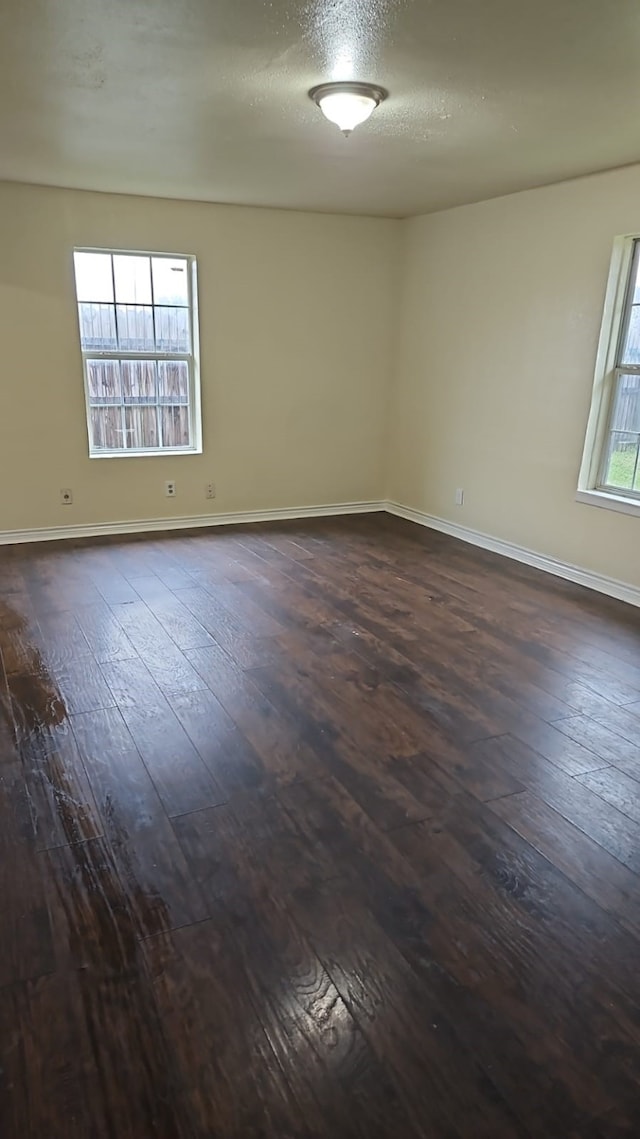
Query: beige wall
[501, 314]
[487, 318]
[297, 315]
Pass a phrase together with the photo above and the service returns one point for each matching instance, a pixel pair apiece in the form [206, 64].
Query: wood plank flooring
[317, 829]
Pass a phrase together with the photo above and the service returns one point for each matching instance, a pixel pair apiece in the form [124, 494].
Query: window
[610, 474]
[139, 340]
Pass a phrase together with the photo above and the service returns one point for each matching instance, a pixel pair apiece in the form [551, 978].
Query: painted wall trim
[609, 585]
[609, 501]
[197, 521]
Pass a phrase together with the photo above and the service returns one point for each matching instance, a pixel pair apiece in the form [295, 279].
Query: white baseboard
[609, 585]
[144, 526]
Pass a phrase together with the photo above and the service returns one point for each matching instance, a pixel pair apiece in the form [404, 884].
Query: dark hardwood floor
[325, 829]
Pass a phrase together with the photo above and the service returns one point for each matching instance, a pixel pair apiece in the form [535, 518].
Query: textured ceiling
[207, 99]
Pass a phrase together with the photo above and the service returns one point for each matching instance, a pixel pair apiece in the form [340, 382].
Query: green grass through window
[620, 472]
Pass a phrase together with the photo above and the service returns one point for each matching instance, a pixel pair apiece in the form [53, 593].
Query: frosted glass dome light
[347, 104]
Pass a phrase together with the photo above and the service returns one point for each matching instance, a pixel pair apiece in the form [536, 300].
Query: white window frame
[192, 360]
[591, 488]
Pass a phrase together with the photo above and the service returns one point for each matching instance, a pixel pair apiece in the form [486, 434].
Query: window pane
[133, 306]
[170, 281]
[142, 427]
[631, 347]
[175, 426]
[93, 276]
[97, 327]
[173, 382]
[172, 329]
[139, 381]
[103, 378]
[133, 280]
[106, 428]
[626, 405]
[135, 328]
[622, 461]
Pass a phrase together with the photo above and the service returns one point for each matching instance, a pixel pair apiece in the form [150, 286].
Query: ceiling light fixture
[347, 104]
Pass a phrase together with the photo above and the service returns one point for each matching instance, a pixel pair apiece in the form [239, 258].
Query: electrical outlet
[66, 496]
[210, 490]
[459, 496]
[170, 489]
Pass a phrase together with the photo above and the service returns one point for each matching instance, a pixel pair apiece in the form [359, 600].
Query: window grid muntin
[120, 355]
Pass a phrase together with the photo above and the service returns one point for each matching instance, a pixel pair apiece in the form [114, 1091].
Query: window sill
[162, 452]
[609, 501]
